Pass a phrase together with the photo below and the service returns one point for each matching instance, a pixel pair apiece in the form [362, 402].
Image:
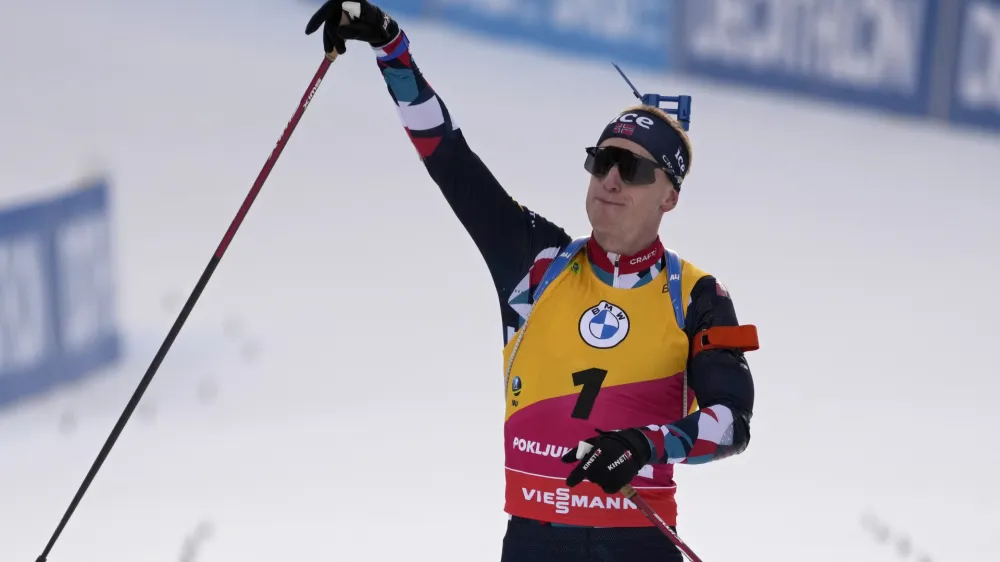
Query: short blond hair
[669, 120]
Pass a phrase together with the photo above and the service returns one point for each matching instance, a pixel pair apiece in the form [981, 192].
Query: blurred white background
[352, 324]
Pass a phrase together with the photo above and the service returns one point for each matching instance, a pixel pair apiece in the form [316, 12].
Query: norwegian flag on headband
[624, 129]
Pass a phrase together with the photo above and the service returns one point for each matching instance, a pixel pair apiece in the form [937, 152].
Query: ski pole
[192, 299]
[658, 521]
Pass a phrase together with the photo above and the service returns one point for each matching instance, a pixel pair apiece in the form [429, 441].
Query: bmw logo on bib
[604, 325]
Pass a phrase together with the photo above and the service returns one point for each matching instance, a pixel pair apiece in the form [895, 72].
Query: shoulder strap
[559, 264]
[551, 272]
[674, 268]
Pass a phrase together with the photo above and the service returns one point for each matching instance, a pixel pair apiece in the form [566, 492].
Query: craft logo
[640, 259]
[668, 163]
[604, 326]
[563, 500]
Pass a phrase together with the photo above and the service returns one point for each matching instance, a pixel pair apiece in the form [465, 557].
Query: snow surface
[336, 394]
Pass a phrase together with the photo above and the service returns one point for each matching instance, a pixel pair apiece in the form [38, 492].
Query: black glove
[365, 22]
[611, 460]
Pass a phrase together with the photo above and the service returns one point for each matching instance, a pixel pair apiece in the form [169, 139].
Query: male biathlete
[610, 339]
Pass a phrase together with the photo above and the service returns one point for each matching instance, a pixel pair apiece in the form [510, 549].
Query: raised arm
[508, 235]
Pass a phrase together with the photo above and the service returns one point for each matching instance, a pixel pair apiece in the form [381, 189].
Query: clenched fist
[359, 20]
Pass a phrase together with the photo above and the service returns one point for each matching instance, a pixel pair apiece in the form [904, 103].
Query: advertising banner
[634, 32]
[931, 59]
[57, 295]
[975, 96]
[877, 53]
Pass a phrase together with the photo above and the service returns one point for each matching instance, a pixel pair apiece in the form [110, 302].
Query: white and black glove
[365, 22]
[611, 460]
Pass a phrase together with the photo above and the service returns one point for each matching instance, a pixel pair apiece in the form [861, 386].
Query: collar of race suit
[633, 263]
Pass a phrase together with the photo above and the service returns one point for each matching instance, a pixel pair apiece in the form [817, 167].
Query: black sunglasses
[633, 168]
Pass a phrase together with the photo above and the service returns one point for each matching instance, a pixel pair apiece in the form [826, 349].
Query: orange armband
[740, 338]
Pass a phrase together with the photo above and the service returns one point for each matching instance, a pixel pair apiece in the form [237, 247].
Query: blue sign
[57, 313]
[877, 53]
[926, 58]
[637, 32]
[975, 95]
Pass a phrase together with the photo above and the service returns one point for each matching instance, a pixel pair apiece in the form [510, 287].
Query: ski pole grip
[344, 20]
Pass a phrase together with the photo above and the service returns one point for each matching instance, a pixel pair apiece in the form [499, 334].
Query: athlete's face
[626, 212]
